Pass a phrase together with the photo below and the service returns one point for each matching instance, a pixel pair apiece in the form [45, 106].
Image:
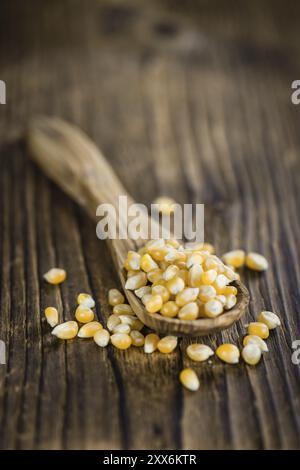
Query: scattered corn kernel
[66, 330]
[235, 258]
[112, 321]
[121, 340]
[84, 314]
[167, 344]
[189, 379]
[86, 300]
[154, 304]
[258, 329]
[251, 354]
[55, 276]
[189, 311]
[137, 338]
[151, 342]
[51, 315]
[253, 339]
[199, 352]
[89, 329]
[228, 353]
[256, 262]
[115, 297]
[270, 319]
[122, 309]
[169, 309]
[122, 328]
[101, 338]
[136, 281]
[213, 308]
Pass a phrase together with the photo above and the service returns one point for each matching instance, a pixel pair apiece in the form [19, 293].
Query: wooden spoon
[76, 165]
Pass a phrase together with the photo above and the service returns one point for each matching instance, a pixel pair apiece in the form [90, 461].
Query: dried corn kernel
[162, 291]
[137, 338]
[189, 379]
[128, 319]
[170, 272]
[136, 281]
[151, 342]
[84, 314]
[148, 263]
[207, 293]
[86, 300]
[174, 243]
[155, 275]
[194, 259]
[252, 339]
[175, 285]
[235, 258]
[194, 275]
[189, 311]
[208, 277]
[256, 262]
[112, 321]
[258, 329]
[122, 328]
[169, 309]
[213, 308]
[270, 319]
[121, 340]
[55, 276]
[115, 297]
[132, 272]
[188, 294]
[133, 260]
[142, 291]
[89, 329]
[230, 290]
[167, 344]
[67, 330]
[220, 283]
[199, 352]
[228, 353]
[166, 205]
[51, 315]
[230, 301]
[154, 304]
[251, 354]
[221, 298]
[122, 309]
[101, 338]
[232, 276]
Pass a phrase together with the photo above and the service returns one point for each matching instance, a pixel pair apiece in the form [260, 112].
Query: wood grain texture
[189, 99]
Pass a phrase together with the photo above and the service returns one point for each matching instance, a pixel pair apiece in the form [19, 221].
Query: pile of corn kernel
[159, 263]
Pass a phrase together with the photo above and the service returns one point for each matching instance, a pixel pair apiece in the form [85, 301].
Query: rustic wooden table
[189, 99]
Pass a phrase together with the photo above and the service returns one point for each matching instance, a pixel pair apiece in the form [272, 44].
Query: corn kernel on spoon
[76, 165]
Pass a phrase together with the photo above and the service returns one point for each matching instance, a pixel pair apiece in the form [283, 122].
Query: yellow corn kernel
[256, 262]
[155, 275]
[175, 285]
[115, 297]
[55, 276]
[251, 354]
[84, 314]
[133, 260]
[122, 328]
[151, 342]
[228, 353]
[170, 272]
[154, 304]
[66, 330]
[174, 243]
[132, 272]
[121, 340]
[148, 263]
[184, 275]
[167, 344]
[194, 275]
[221, 298]
[127, 319]
[137, 325]
[232, 276]
[258, 329]
[270, 319]
[235, 258]
[86, 300]
[194, 258]
[252, 339]
[89, 329]
[189, 311]
[162, 291]
[199, 352]
[169, 309]
[208, 277]
[142, 291]
[137, 338]
[163, 265]
[112, 321]
[157, 249]
[189, 379]
[155, 244]
[145, 298]
[188, 294]
[201, 247]
[230, 290]
[136, 281]
[122, 309]
[51, 315]
[101, 338]
[165, 205]
[213, 308]
[206, 293]
[212, 262]
[230, 301]
[220, 283]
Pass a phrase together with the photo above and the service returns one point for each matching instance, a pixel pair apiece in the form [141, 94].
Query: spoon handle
[76, 165]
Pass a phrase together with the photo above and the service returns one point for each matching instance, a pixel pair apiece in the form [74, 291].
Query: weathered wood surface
[189, 99]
